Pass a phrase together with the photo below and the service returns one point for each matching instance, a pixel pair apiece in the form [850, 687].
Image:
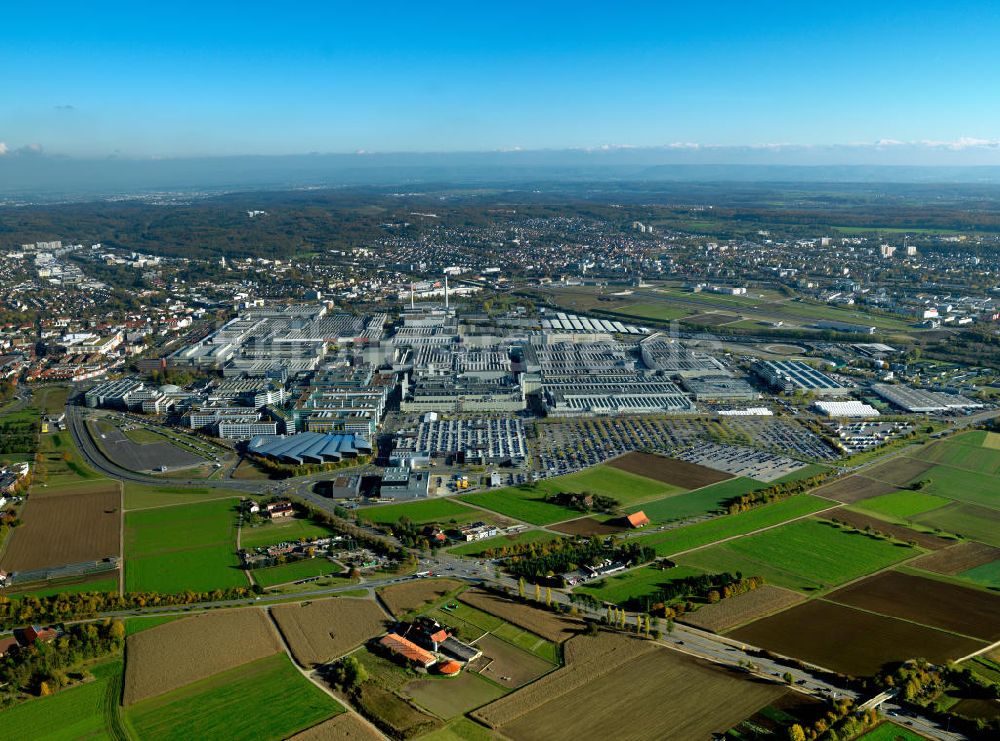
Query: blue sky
[154, 79]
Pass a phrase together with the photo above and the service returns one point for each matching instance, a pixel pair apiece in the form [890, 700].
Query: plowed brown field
[669, 470]
[318, 632]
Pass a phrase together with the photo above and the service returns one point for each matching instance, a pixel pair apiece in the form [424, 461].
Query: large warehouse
[309, 447]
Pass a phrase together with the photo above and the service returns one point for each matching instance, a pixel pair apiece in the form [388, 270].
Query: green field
[481, 546]
[663, 312]
[290, 529]
[634, 584]
[962, 485]
[193, 546]
[140, 496]
[805, 555]
[420, 513]
[105, 584]
[265, 699]
[901, 504]
[975, 523]
[296, 570]
[988, 574]
[86, 711]
[135, 625]
[527, 502]
[680, 539]
[461, 729]
[968, 451]
[698, 502]
[891, 732]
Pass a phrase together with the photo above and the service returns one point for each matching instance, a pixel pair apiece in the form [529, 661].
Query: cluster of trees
[43, 668]
[28, 609]
[561, 556]
[709, 588]
[7, 388]
[348, 674]
[585, 501]
[932, 689]
[839, 722]
[773, 493]
[19, 436]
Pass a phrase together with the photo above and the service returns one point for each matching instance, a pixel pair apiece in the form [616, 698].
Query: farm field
[677, 473]
[695, 503]
[461, 729]
[103, 583]
[902, 504]
[527, 502]
[855, 488]
[988, 574]
[420, 512]
[454, 696]
[899, 471]
[320, 631]
[140, 496]
[971, 487]
[228, 705]
[414, 595]
[170, 549]
[627, 588]
[169, 656]
[806, 555]
[296, 570]
[343, 727]
[480, 547]
[588, 526]
[958, 558]
[969, 521]
[78, 712]
[712, 699]
[970, 612]
[969, 451]
[851, 641]
[65, 528]
[743, 608]
[291, 529]
[135, 625]
[669, 542]
[917, 534]
[540, 622]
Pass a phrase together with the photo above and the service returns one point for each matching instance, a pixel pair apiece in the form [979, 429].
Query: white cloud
[3, 149]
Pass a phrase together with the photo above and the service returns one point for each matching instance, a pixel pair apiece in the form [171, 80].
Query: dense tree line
[29, 609]
[709, 588]
[43, 668]
[773, 493]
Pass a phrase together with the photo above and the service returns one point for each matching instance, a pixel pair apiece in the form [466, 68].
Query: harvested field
[743, 608]
[958, 558]
[975, 707]
[860, 521]
[177, 653]
[508, 665]
[669, 470]
[453, 696]
[543, 623]
[67, 528]
[854, 489]
[318, 632]
[587, 526]
[409, 596]
[899, 471]
[693, 699]
[850, 641]
[971, 612]
[344, 727]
